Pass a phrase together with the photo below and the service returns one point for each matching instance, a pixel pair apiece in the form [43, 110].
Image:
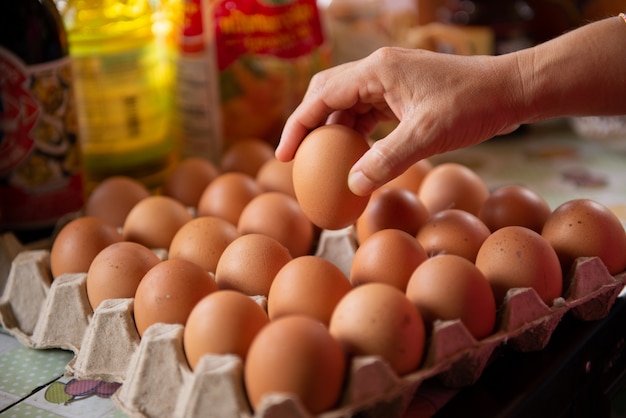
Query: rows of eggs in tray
[434, 244]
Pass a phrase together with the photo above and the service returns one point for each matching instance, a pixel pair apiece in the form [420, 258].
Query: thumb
[381, 163]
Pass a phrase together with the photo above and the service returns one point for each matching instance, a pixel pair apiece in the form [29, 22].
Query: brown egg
[276, 176]
[296, 355]
[113, 198]
[246, 156]
[154, 221]
[307, 285]
[453, 186]
[453, 231]
[448, 287]
[169, 291]
[388, 256]
[78, 243]
[250, 263]
[411, 178]
[586, 228]
[202, 241]
[378, 319]
[189, 179]
[395, 208]
[514, 205]
[223, 322]
[279, 216]
[227, 195]
[516, 256]
[320, 176]
[117, 270]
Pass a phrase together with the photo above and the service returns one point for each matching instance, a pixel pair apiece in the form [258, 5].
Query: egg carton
[157, 381]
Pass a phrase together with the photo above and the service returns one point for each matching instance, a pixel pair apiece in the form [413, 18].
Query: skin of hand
[444, 102]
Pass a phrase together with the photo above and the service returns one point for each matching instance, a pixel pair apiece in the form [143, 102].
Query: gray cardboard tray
[157, 382]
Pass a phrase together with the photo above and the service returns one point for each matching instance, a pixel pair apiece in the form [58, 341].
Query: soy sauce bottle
[40, 160]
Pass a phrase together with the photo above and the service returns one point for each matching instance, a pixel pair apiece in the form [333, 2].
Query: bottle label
[478, 40]
[124, 111]
[197, 121]
[40, 164]
[123, 100]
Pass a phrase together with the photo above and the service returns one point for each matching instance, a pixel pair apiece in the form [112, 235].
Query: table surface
[555, 162]
[549, 158]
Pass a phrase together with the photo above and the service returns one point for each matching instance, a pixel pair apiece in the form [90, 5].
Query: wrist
[513, 103]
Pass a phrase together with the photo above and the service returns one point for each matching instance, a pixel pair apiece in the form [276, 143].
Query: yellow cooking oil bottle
[123, 81]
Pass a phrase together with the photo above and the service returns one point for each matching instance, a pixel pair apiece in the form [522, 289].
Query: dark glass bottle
[40, 164]
[553, 18]
[509, 21]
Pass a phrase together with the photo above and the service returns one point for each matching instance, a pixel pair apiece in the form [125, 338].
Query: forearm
[582, 72]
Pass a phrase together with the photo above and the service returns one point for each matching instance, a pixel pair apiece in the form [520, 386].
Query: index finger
[327, 92]
[306, 117]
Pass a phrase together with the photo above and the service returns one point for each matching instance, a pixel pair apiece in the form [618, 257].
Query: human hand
[441, 102]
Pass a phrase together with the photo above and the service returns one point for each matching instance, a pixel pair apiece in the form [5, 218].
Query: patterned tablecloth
[32, 385]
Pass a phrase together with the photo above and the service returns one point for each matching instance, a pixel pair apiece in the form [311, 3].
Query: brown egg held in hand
[296, 355]
[78, 243]
[448, 287]
[202, 241]
[320, 176]
[250, 263]
[452, 186]
[378, 319]
[515, 257]
[307, 285]
[279, 216]
[113, 198]
[247, 156]
[224, 322]
[453, 231]
[514, 205]
[169, 291]
[391, 208]
[117, 270]
[227, 195]
[154, 221]
[189, 179]
[387, 256]
[586, 228]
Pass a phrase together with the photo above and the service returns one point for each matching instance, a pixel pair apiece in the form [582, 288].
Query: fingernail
[360, 184]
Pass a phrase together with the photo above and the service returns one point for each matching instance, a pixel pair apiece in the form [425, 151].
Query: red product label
[192, 39]
[19, 113]
[40, 176]
[284, 29]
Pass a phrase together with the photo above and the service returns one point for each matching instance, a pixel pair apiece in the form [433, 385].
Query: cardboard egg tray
[157, 382]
